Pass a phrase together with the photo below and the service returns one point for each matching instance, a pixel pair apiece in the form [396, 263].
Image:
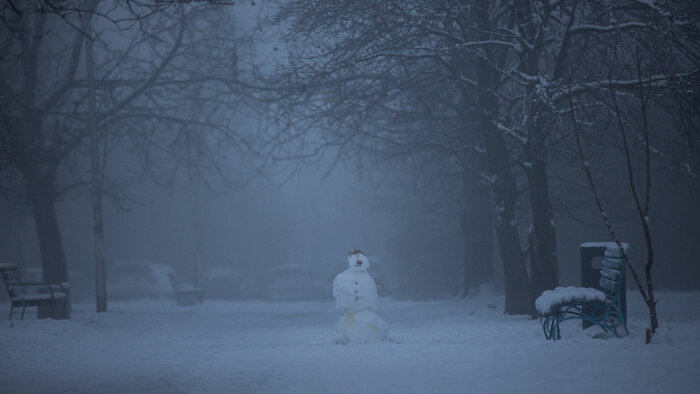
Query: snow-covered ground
[465, 346]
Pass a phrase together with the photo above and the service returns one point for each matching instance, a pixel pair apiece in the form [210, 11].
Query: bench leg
[12, 309]
[550, 328]
[550, 325]
[23, 308]
[616, 320]
[623, 323]
[609, 320]
[556, 332]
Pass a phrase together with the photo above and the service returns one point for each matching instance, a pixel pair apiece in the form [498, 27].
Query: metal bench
[30, 294]
[601, 307]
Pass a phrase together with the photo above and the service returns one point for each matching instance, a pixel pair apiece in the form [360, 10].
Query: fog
[307, 220]
[349, 196]
[393, 194]
[310, 218]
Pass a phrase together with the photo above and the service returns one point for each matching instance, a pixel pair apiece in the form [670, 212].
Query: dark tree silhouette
[164, 96]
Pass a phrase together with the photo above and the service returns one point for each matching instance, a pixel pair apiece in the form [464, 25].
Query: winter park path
[464, 346]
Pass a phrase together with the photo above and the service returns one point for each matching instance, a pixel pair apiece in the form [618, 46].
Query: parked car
[225, 283]
[139, 279]
[295, 282]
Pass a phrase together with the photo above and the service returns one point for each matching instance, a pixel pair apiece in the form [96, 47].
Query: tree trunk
[42, 197]
[37, 166]
[96, 174]
[517, 283]
[544, 264]
[477, 225]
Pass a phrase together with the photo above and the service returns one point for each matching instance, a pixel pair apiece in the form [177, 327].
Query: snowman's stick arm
[385, 289]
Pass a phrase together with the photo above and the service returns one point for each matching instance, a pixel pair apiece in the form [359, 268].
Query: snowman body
[356, 296]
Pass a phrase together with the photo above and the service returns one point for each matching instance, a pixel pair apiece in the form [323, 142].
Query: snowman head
[357, 260]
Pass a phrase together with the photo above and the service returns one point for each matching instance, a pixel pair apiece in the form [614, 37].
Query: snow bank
[452, 346]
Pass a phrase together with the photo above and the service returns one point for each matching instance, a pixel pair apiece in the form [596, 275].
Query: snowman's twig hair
[355, 251]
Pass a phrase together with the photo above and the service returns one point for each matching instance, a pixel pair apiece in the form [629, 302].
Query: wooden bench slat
[610, 273]
[616, 264]
[608, 284]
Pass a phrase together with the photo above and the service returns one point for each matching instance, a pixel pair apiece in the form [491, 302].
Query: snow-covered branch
[589, 28]
[658, 81]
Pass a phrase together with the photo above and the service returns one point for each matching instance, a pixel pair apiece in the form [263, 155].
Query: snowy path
[248, 347]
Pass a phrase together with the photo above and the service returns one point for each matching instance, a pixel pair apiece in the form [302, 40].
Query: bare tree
[488, 79]
[642, 203]
[641, 85]
[157, 98]
[384, 89]
[123, 14]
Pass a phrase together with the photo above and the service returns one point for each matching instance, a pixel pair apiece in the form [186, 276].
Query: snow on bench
[560, 295]
[36, 294]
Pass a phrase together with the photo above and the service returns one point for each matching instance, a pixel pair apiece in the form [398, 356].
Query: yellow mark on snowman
[350, 315]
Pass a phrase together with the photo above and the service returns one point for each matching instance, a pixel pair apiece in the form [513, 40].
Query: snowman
[356, 296]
